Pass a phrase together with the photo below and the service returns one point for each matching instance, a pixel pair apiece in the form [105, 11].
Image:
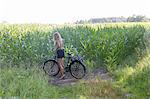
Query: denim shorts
[60, 53]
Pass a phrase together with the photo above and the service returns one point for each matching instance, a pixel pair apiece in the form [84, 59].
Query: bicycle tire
[75, 68]
[51, 67]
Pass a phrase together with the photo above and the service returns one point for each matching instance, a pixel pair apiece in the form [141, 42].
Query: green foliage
[139, 82]
[106, 45]
[24, 43]
[116, 47]
[135, 80]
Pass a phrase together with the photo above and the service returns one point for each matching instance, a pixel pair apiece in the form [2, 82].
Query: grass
[25, 83]
[135, 80]
[33, 84]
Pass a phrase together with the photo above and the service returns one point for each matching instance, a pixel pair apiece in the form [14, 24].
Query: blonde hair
[57, 37]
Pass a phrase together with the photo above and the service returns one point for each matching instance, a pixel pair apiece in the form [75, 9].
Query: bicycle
[75, 66]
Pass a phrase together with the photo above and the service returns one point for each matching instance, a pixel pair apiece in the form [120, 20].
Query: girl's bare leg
[61, 68]
[62, 62]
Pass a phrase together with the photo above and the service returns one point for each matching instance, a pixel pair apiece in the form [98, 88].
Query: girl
[59, 48]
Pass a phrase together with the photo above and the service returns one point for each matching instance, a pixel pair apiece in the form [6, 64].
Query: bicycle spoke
[51, 67]
[77, 70]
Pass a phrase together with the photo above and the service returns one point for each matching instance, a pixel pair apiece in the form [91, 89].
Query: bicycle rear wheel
[51, 67]
[77, 69]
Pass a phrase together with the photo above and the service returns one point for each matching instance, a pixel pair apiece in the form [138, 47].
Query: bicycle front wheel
[51, 67]
[77, 70]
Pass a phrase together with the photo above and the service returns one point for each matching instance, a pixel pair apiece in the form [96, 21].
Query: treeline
[134, 18]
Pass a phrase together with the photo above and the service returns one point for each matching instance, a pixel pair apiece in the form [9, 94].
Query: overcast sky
[61, 11]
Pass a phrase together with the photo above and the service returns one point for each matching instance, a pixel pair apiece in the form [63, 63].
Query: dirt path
[69, 80]
[90, 76]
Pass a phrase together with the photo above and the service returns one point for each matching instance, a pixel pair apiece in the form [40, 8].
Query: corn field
[104, 44]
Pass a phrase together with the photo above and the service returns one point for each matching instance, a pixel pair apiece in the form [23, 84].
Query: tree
[138, 18]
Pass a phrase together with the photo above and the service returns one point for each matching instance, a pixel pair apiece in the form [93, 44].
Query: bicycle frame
[70, 59]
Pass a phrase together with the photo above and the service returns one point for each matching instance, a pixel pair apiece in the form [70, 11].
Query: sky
[68, 11]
